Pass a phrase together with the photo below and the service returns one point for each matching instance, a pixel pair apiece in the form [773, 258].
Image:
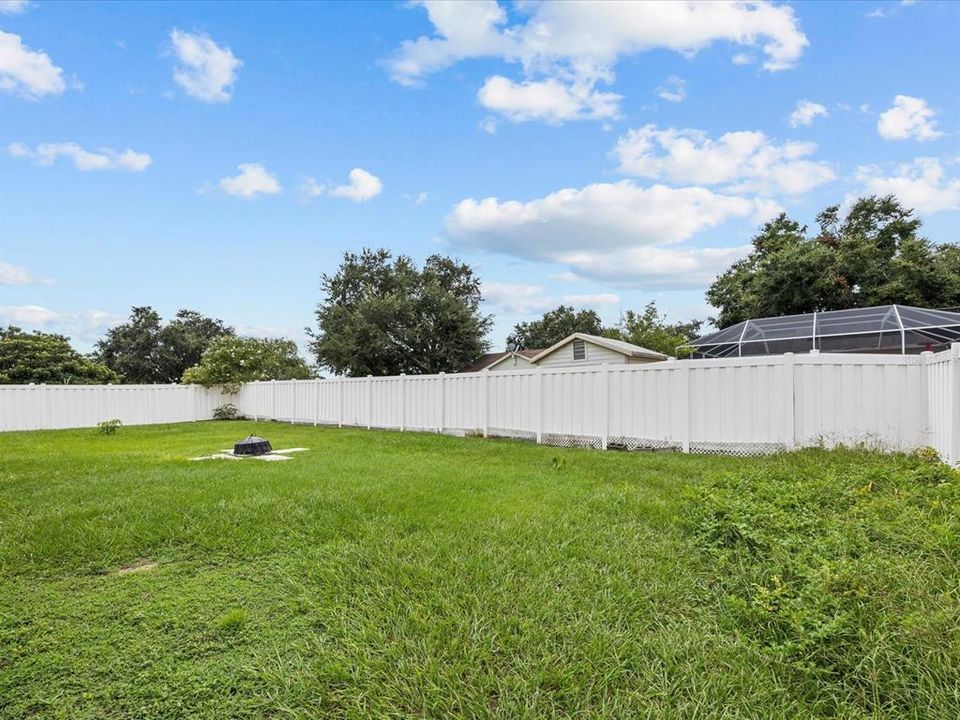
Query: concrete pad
[269, 457]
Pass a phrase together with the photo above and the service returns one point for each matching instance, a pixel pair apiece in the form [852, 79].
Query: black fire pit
[252, 445]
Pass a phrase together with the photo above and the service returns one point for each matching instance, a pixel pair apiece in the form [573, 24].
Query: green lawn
[389, 575]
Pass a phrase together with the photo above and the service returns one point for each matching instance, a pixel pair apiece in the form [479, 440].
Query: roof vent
[252, 445]
[579, 350]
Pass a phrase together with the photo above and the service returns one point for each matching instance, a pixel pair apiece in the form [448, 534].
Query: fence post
[486, 403]
[789, 402]
[539, 405]
[441, 400]
[605, 406]
[369, 401]
[273, 402]
[293, 415]
[953, 426]
[403, 402]
[341, 382]
[685, 414]
[44, 410]
[316, 403]
[925, 417]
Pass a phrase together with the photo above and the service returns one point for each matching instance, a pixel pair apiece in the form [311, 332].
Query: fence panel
[875, 401]
[738, 407]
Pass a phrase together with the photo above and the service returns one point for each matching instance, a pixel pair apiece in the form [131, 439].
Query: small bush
[227, 411]
[109, 427]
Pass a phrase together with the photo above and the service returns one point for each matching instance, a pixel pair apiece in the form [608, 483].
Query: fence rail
[735, 405]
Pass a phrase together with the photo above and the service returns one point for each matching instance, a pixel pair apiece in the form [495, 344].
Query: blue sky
[220, 157]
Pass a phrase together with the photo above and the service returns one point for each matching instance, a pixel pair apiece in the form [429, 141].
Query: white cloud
[517, 298]
[920, 184]
[909, 117]
[310, 188]
[565, 276]
[876, 13]
[362, 186]
[744, 161]
[206, 71]
[25, 72]
[805, 113]
[609, 231]
[549, 100]
[622, 213]
[274, 332]
[673, 90]
[18, 275]
[30, 315]
[742, 59]
[252, 180]
[415, 200]
[657, 267]
[591, 299]
[14, 7]
[489, 125]
[85, 160]
[586, 39]
[526, 299]
[566, 48]
[86, 325]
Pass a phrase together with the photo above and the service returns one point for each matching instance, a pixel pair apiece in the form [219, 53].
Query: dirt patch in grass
[138, 566]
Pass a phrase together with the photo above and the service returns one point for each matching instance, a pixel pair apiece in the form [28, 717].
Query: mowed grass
[389, 575]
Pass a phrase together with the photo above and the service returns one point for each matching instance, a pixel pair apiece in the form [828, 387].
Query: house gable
[583, 349]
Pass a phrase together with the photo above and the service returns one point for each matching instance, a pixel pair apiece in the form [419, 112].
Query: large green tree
[382, 315]
[553, 327]
[230, 361]
[144, 350]
[651, 330]
[873, 256]
[38, 357]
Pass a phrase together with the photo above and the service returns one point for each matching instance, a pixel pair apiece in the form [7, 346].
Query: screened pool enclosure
[883, 329]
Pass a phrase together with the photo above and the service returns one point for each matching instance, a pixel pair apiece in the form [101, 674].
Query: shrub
[838, 575]
[230, 361]
[109, 427]
[227, 411]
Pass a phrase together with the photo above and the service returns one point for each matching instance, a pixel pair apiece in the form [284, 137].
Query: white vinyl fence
[735, 405]
[49, 407]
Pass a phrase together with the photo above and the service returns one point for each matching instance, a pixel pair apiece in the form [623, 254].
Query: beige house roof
[490, 359]
[525, 354]
[624, 348]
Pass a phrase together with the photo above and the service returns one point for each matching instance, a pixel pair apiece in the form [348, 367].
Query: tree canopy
[386, 316]
[38, 357]
[230, 361]
[553, 327]
[873, 256]
[144, 350]
[651, 330]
